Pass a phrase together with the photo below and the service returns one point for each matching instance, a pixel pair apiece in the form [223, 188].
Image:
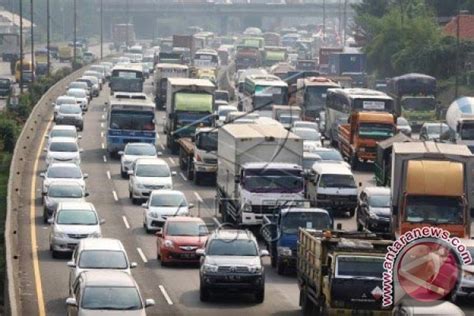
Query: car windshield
[302, 124]
[232, 247]
[76, 217]
[332, 155]
[273, 180]
[467, 131]
[103, 259]
[152, 171]
[224, 111]
[434, 209]
[337, 181]
[65, 191]
[77, 93]
[437, 129]
[60, 101]
[63, 133]
[171, 200]
[64, 172]
[79, 85]
[187, 229]
[421, 104]
[5, 83]
[307, 134]
[309, 162]
[379, 200]
[63, 147]
[70, 109]
[292, 221]
[358, 266]
[140, 150]
[111, 298]
[287, 119]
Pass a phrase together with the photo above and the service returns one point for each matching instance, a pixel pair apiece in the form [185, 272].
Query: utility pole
[324, 20]
[127, 12]
[32, 44]
[48, 36]
[74, 37]
[21, 46]
[101, 30]
[344, 23]
[456, 69]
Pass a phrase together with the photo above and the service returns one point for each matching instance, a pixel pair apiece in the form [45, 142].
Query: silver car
[61, 191]
[98, 253]
[106, 292]
[132, 152]
[64, 99]
[70, 114]
[65, 171]
[82, 97]
[72, 222]
[63, 149]
[68, 131]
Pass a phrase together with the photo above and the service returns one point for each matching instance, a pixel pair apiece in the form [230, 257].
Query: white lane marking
[165, 294]
[115, 195]
[171, 160]
[108, 174]
[198, 197]
[142, 255]
[105, 158]
[183, 176]
[103, 146]
[162, 147]
[216, 221]
[102, 134]
[102, 125]
[103, 117]
[105, 109]
[125, 221]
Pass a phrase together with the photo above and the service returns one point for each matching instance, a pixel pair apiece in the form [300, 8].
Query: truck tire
[260, 296]
[280, 267]
[203, 294]
[189, 170]
[354, 162]
[307, 306]
[196, 178]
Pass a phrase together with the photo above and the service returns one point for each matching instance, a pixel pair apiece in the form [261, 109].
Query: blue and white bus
[127, 78]
[130, 120]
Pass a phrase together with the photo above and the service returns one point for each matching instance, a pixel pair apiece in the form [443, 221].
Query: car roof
[76, 90]
[150, 161]
[307, 154]
[66, 97]
[166, 191]
[233, 234]
[184, 219]
[325, 149]
[304, 209]
[274, 165]
[63, 127]
[377, 190]
[303, 129]
[101, 244]
[63, 183]
[140, 144]
[426, 124]
[77, 82]
[68, 105]
[331, 168]
[63, 140]
[64, 164]
[86, 206]
[104, 278]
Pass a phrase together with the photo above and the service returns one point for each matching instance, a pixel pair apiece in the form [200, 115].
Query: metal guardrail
[37, 121]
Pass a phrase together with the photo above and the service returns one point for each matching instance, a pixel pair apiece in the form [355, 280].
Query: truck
[198, 154]
[286, 114]
[358, 139]
[350, 63]
[431, 185]
[65, 53]
[340, 273]
[10, 46]
[324, 53]
[280, 232]
[415, 98]
[460, 119]
[123, 34]
[185, 41]
[170, 58]
[189, 103]
[247, 57]
[160, 80]
[259, 169]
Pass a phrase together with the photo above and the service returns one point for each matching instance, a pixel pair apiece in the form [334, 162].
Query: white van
[332, 187]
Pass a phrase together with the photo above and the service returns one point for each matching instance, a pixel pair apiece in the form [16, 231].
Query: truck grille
[210, 161]
[233, 269]
[153, 187]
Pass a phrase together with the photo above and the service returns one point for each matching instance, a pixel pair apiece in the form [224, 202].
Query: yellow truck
[340, 273]
[65, 53]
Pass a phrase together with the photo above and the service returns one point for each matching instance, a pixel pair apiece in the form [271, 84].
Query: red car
[179, 239]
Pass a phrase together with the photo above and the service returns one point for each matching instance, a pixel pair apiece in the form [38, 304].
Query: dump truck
[340, 273]
[460, 119]
[247, 57]
[198, 154]
[259, 169]
[432, 186]
[358, 139]
[189, 104]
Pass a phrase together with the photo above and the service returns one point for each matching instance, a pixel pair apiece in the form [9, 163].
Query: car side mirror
[120, 153]
[87, 194]
[201, 252]
[45, 149]
[264, 253]
[102, 221]
[173, 173]
[51, 221]
[42, 174]
[71, 264]
[81, 150]
[130, 172]
[149, 302]
[190, 205]
[133, 265]
[144, 205]
[79, 137]
[159, 233]
[71, 301]
[85, 176]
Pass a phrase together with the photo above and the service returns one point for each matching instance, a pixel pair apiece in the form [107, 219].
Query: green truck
[274, 55]
[189, 104]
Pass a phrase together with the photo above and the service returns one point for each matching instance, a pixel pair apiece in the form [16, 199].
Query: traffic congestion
[259, 173]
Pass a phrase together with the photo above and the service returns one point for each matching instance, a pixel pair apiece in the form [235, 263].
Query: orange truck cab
[358, 138]
[431, 186]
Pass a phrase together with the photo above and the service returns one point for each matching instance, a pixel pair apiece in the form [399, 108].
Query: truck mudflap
[360, 294]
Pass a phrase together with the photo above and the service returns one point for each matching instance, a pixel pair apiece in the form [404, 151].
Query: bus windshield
[467, 131]
[127, 74]
[434, 209]
[315, 98]
[132, 120]
[375, 130]
[266, 96]
[419, 103]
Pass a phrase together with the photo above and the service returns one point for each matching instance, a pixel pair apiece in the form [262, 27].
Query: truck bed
[187, 145]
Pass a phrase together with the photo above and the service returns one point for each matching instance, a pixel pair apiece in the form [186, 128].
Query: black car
[5, 87]
[374, 210]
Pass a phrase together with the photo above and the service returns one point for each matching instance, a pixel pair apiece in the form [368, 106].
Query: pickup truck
[280, 232]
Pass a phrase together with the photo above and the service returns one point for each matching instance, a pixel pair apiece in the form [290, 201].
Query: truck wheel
[196, 177]
[273, 261]
[189, 171]
[280, 268]
[260, 296]
[203, 294]
[307, 306]
[354, 162]
[351, 213]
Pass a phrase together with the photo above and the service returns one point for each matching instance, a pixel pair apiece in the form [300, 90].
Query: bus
[311, 95]
[127, 78]
[261, 92]
[41, 60]
[130, 120]
[28, 71]
[206, 58]
[340, 103]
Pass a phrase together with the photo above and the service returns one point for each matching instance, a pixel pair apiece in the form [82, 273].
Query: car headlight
[59, 235]
[247, 208]
[168, 186]
[468, 275]
[154, 214]
[284, 251]
[255, 269]
[372, 215]
[209, 268]
[168, 244]
[139, 185]
[95, 235]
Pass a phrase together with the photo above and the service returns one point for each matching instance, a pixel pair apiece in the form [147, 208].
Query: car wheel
[123, 174]
[352, 213]
[54, 254]
[204, 294]
[45, 216]
[280, 267]
[260, 296]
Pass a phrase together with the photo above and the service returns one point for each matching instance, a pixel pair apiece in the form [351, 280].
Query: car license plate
[233, 278]
[188, 255]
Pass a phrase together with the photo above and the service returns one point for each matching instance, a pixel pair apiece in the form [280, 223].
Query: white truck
[10, 46]
[259, 170]
[460, 119]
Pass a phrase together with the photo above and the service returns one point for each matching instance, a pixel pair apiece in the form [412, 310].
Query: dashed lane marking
[171, 160]
[216, 221]
[125, 221]
[105, 158]
[183, 176]
[142, 255]
[115, 195]
[198, 197]
[108, 175]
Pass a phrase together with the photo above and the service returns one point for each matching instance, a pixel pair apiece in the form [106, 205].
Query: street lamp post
[101, 30]
[32, 43]
[48, 36]
[74, 37]
[21, 46]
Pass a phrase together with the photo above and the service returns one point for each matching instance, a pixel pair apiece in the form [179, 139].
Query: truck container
[347, 63]
[432, 185]
[247, 57]
[160, 80]
[340, 273]
[259, 169]
[189, 103]
[10, 46]
[123, 34]
[324, 53]
[186, 41]
[460, 119]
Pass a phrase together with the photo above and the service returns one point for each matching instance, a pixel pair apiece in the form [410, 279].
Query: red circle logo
[428, 271]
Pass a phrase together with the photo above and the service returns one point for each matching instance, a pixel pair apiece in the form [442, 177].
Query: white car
[222, 112]
[161, 205]
[64, 171]
[148, 174]
[101, 70]
[93, 84]
[64, 99]
[70, 114]
[63, 149]
[98, 254]
[81, 97]
[80, 85]
[311, 138]
[63, 131]
[94, 74]
[132, 152]
[306, 124]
